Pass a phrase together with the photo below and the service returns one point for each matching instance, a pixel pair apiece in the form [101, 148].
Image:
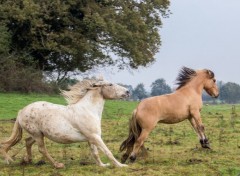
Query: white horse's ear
[92, 88]
[100, 77]
[98, 84]
[101, 83]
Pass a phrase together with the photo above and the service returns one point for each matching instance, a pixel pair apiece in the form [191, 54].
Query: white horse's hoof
[27, 160]
[8, 160]
[59, 165]
[122, 165]
[105, 165]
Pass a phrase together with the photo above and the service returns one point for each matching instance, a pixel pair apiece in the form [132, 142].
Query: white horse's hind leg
[7, 158]
[29, 142]
[42, 149]
[94, 152]
[15, 137]
[97, 140]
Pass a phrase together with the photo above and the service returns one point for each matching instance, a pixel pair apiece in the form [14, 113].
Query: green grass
[173, 149]
[11, 103]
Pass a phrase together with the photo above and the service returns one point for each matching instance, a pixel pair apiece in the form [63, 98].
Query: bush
[15, 76]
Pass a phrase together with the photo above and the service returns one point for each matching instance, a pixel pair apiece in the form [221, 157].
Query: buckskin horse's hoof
[132, 158]
[206, 146]
[205, 143]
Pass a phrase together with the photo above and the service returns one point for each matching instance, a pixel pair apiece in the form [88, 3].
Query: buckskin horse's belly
[173, 116]
[172, 119]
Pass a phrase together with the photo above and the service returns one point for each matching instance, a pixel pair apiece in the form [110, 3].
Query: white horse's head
[112, 91]
[105, 88]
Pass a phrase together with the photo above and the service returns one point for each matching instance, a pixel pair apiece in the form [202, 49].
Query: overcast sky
[198, 34]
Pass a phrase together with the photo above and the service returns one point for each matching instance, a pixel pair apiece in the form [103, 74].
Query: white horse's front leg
[94, 152]
[97, 140]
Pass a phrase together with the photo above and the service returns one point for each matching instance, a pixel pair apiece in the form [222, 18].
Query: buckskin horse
[79, 121]
[184, 103]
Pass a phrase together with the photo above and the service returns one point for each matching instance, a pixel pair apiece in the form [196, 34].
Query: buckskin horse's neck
[197, 85]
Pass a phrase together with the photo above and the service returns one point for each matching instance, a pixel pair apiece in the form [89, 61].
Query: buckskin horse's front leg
[197, 124]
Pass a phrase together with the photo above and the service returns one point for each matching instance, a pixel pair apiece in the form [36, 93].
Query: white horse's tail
[15, 137]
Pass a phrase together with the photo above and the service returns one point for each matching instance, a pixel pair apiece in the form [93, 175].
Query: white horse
[79, 121]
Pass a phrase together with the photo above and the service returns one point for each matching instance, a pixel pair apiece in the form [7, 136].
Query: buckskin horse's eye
[214, 80]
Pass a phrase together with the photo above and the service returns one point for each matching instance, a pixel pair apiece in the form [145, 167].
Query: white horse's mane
[78, 90]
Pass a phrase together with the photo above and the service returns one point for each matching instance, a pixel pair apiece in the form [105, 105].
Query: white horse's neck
[94, 101]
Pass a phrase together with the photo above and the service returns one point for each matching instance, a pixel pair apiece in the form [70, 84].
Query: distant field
[173, 149]
[11, 103]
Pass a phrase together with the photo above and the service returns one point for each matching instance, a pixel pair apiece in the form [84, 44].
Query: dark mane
[184, 76]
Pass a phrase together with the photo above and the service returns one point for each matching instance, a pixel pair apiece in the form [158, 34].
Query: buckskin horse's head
[210, 85]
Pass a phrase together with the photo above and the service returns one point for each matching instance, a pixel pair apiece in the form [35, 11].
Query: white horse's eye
[110, 84]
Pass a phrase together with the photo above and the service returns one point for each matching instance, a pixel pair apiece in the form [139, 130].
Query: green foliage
[172, 149]
[230, 92]
[15, 76]
[139, 92]
[4, 40]
[63, 36]
[66, 82]
[160, 87]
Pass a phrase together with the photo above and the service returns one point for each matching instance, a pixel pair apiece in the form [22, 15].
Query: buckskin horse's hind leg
[126, 154]
[144, 151]
[139, 142]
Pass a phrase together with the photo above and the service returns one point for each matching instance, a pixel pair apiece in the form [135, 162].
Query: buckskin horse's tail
[134, 133]
[15, 137]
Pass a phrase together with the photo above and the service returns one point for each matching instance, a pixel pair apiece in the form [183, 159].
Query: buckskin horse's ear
[210, 73]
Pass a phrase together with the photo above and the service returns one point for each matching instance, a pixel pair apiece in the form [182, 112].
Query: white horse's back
[51, 120]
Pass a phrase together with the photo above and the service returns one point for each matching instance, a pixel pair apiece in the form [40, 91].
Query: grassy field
[173, 149]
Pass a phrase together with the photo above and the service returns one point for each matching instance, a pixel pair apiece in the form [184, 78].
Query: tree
[129, 87]
[15, 76]
[230, 92]
[139, 92]
[65, 36]
[160, 87]
[4, 41]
